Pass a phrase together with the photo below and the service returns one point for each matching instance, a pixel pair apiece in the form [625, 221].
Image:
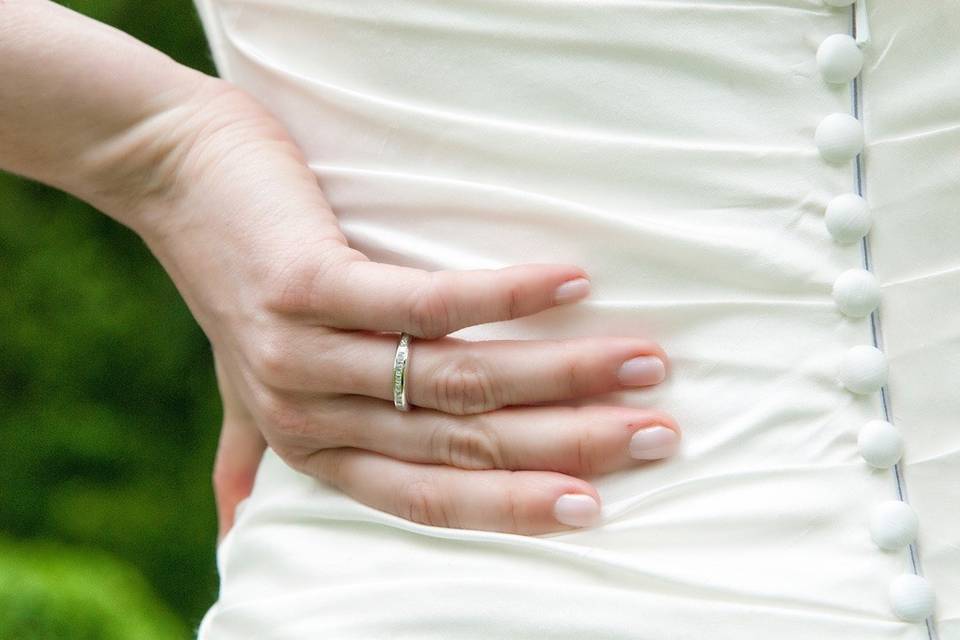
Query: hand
[295, 318]
[224, 198]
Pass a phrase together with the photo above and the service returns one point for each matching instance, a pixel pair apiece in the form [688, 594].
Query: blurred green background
[108, 409]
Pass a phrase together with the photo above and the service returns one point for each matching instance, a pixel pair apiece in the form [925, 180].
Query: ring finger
[463, 377]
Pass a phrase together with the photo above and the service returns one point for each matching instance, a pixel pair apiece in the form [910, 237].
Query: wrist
[193, 154]
[134, 173]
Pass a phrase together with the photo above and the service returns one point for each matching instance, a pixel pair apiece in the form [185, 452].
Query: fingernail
[642, 370]
[653, 443]
[571, 290]
[576, 510]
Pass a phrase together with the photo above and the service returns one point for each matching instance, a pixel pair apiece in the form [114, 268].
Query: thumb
[238, 455]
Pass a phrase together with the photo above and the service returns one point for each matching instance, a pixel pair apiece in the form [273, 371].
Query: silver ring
[400, 361]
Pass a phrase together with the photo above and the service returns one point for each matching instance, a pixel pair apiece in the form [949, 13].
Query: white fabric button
[893, 525]
[856, 293]
[880, 444]
[864, 369]
[839, 58]
[847, 218]
[839, 3]
[911, 597]
[839, 137]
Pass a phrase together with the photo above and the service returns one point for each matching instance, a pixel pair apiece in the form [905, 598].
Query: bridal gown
[699, 158]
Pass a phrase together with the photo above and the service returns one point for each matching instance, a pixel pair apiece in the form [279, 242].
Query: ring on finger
[400, 364]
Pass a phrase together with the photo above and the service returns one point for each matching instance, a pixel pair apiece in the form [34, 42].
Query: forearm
[91, 110]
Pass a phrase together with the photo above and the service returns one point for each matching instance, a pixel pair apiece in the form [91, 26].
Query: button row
[839, 138]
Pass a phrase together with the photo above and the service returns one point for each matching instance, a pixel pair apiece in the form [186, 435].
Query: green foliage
[108, 405]
[51, 593]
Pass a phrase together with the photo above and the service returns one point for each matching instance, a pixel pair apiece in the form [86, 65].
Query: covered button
[911, 597]
[847, 218]
[839, 137]
[863, 369]
[880, 444]
[839, 58]
[856, 293]
[893, 525]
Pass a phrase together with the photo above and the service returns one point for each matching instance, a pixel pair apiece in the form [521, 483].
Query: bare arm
[87, 108]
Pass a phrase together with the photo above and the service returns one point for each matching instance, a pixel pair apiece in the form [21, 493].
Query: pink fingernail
[571, 290]
[642, 370]
[576, 510]
[653, 443]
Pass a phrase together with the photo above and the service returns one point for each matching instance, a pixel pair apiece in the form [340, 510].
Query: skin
[221, 194]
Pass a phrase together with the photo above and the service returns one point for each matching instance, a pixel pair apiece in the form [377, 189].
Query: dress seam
[856, 99]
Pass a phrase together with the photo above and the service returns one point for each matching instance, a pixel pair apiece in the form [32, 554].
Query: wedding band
[400, 361]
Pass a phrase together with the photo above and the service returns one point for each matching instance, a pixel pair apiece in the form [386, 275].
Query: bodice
[775, 204]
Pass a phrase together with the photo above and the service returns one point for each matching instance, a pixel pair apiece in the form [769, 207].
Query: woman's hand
[224, 198]
[296, 320]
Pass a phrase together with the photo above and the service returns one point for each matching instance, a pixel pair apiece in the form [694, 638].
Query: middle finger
[579, 441]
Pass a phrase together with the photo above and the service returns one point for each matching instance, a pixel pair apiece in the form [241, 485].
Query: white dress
[685, 153]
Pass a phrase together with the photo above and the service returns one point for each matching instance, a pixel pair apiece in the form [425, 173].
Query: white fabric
[668, 148]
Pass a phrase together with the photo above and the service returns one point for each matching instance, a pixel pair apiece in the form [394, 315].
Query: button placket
[839, 138]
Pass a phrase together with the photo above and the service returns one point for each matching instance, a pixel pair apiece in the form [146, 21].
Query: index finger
[429, 304]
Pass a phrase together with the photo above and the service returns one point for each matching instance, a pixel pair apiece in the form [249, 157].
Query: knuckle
[284, 417]
[571, 375]
[586, 451]
[583, 450]
[423, 501]
[514, 300]
[292, 287]
[469, 446]
[512, 507]
[429, 311]
[271, 359]
[327, 465]
[301, 286]
[465, 385]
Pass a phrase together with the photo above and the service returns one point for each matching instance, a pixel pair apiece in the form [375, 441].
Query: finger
[461, 377]
[238, 456]
[239, 451]
[359, 294]
[582, 441]
[522, 502]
